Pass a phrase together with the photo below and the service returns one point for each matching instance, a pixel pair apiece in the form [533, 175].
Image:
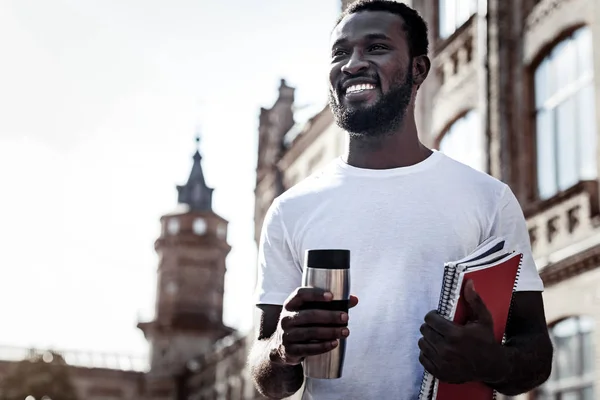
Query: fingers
[310, 349]
[426, 348]
[314, 317]
[310, 332]
[433, 337]
[440, 324]
[427, 364]
[305, 294]
[306, 329]
[313, 334]
[353, 301]
[427, 356]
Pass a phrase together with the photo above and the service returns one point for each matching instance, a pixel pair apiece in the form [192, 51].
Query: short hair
[414, 25]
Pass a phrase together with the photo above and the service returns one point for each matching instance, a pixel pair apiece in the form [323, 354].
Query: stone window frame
[555, 386]
[545, 23]
[571, 89]
[534, 202]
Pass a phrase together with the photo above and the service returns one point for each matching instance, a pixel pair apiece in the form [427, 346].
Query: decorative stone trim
[446, 45]
[549, 21]
[542, 10]
[589, 187]
[455, 65]
[570, 267]
[563, 220]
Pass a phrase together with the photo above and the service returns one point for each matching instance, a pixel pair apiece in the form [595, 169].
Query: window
[565, 115]
[222, 231]
[572, 375]
[173, 226]
[453, 14]
[199, 226]
[464, 142]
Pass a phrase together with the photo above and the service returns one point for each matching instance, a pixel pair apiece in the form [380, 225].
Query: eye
[338, 53]
[377, 47]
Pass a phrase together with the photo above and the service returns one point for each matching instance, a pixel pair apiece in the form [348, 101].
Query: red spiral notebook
[495, 273]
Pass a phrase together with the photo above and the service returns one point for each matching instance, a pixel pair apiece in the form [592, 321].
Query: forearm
[275, 381]
[528, 361]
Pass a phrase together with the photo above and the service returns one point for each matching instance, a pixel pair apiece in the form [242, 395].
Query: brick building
[511, 92]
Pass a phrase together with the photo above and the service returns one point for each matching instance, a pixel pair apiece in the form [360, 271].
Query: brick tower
[192, 249]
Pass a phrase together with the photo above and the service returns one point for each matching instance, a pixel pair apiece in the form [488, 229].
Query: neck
[400, 148]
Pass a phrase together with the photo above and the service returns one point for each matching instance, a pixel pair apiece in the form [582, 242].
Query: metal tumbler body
[328, 270]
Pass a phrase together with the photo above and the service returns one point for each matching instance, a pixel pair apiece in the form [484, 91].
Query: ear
[421, 66]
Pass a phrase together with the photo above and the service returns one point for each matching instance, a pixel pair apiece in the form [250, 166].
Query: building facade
[512, 92]
[94, 376]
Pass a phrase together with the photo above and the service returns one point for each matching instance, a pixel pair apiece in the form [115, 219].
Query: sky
[100, 101]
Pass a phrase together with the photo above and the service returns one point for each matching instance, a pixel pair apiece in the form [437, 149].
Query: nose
[355, 64]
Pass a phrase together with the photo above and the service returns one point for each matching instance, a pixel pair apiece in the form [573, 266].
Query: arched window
[574, 357]
[565, 115]
[463, 141]
[453, 14]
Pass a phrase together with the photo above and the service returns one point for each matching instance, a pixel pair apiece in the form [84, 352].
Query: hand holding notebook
[462, 339]
[460, 353]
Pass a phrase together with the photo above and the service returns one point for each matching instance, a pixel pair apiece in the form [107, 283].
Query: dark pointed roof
[195, 193]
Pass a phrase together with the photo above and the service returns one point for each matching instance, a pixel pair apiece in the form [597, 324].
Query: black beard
[382, 118]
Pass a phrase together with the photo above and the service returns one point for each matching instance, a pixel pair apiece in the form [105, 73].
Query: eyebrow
[370, 36]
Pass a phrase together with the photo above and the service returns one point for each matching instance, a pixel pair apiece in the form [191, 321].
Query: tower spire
[197, 153]
[195, 193]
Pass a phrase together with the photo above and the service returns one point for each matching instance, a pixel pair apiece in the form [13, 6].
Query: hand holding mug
[303, 332]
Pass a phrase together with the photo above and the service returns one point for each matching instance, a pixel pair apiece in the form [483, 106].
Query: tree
[42, 377]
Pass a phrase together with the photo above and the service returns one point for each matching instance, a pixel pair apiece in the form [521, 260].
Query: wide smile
[360, 92]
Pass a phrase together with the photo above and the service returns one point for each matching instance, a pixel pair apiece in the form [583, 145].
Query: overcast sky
[100, 101]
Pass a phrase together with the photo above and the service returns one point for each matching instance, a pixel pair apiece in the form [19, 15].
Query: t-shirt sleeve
[510, 224]
[279, 272]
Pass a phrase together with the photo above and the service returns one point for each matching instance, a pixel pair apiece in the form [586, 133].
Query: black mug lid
[328, 258]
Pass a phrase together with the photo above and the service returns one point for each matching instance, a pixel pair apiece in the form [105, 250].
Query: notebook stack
[495, 272]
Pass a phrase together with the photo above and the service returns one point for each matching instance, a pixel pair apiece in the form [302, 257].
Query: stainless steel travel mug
[327, 269]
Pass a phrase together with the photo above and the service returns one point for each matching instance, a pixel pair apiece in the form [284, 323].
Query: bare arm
[470, 353]
[290, 333]
[273, 380]
[528, 349]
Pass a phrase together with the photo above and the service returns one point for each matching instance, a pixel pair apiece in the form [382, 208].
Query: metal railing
[77, 358]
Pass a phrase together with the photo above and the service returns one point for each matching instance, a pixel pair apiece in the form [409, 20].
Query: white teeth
[360, 88]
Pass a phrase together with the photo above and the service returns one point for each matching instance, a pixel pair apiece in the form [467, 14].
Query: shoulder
[474, 183]
[311, 189]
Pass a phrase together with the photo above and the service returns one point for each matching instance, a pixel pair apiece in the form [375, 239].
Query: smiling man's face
[371, 81]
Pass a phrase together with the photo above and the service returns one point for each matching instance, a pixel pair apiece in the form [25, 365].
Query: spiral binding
[445, 306]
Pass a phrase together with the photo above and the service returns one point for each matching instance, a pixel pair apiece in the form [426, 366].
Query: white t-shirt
[401, 225]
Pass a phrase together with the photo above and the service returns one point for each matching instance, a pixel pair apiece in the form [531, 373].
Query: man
[403, 210]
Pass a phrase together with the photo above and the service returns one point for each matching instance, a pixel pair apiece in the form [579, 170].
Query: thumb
[478, 311]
